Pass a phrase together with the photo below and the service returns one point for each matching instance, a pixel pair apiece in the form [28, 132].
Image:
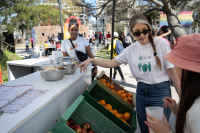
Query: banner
[1, 80]
[185, 19]
[66, 26]
[33, 36]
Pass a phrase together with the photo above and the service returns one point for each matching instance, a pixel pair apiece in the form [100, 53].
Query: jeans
[119, 70]
[151, 95]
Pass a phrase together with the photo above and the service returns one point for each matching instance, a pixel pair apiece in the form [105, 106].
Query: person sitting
[187, 69]
[46, 45]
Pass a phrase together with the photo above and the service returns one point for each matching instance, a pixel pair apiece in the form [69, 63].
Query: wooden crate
[116, 86]
[96, 92]
[81, 112]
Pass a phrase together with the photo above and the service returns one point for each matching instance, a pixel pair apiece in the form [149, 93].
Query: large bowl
[52, 75]
[66, 60]
[71, 68]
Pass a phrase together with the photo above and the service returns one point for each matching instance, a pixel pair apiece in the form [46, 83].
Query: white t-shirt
[192, 124]
[142, 61]
[26, 42]
[80, 43]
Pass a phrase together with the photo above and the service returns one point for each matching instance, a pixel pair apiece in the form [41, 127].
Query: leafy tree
[69, 4]
[172, 8]
[47, 15]
[195, 15]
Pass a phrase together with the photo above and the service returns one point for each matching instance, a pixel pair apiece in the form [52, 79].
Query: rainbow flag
[185, 19]
[1, 80]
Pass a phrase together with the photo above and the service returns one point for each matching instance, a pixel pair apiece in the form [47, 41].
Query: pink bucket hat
[185, 53]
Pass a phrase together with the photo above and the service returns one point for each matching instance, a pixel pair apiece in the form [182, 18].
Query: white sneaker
[122, 81]
[113, 79]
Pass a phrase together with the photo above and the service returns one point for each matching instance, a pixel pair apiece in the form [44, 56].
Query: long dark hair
[190, 91]
[165, 29]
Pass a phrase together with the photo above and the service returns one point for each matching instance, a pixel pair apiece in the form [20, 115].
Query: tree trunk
[175, 26]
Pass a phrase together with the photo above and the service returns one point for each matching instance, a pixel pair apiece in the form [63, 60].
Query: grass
[7, 56]
[103, 54]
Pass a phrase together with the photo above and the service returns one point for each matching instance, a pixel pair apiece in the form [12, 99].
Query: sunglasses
[138, 33]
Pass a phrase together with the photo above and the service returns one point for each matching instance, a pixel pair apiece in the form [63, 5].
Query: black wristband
[155, 53]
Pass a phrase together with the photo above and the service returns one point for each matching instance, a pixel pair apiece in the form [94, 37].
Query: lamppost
[97, 33]
[59, 1]
[112, 37]
[103, 33]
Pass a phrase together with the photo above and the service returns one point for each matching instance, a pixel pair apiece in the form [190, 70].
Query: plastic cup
[155, 112]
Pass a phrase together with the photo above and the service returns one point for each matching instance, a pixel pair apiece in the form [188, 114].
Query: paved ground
[130, 83]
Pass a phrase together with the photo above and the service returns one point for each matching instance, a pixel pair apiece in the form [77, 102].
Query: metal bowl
[66, 60]
[52, 75]
[71, 68]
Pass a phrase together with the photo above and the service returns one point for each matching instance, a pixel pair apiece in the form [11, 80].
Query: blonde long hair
[139, 18]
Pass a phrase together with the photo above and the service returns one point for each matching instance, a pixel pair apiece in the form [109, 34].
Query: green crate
[95, 93]
[116, 88]
[83, 112]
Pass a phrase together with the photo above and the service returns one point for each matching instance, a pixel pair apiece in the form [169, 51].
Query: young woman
[187, 67]
[152, 72]
[80, 44]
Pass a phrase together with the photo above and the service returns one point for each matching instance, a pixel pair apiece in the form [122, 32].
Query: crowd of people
[154, 58]
[52, 43]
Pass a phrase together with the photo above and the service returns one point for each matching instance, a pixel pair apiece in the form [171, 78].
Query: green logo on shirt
[140, 58]
[144, 67]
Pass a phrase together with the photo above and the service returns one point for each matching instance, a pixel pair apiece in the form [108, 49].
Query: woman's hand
[83, 65]
[157, 125]
[172, 104]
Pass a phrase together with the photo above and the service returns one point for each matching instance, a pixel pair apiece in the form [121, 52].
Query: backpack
[119, 47]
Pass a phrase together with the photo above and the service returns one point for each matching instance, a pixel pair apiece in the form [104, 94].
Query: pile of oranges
[107, 84]
[124, 117]
[126, 96]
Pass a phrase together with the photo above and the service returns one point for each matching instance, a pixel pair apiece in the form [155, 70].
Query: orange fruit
[119, 93]
[108, 106]
[121, 115]
[122, 96]
[129, 99]
[101, 80]
[108, 85]
[125, 94]
[111, 111]
[115, 111]
[118, 115]
[124, 121]
[126, 116]
[122, 91]
[126, 99]
[129, 94]
[114, 91]
[104, 81]
[102, 102]
[111, 86]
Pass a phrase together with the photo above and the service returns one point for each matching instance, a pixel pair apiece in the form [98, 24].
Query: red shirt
[31, 39]
[108, 36]
[100, 36]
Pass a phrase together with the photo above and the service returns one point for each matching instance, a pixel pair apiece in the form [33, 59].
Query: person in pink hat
[185, 55]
